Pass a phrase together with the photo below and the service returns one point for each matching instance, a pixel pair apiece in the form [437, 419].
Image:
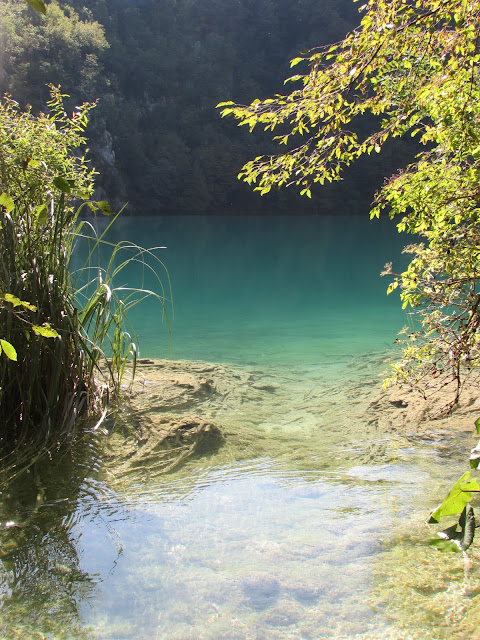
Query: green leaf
[38, 5]
[42, 213]
[391, 287]
[295, 61]
[477, 425]
[105, 208]
[9, 297]
[7, 202]
[457, 498]
[46, 331]
[63, 184]
[8, 349]
[446, 546]
[451, 540]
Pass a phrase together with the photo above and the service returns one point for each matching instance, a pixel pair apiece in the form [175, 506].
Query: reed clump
[64, 346]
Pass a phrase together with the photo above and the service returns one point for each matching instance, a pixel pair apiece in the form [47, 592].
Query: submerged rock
[260, 591]
[160, 443]
[182, 409]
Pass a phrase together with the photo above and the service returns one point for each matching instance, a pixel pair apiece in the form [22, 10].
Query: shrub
[56, 332]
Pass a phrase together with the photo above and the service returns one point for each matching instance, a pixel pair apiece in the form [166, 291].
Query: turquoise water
[308, 522]
[269, 289]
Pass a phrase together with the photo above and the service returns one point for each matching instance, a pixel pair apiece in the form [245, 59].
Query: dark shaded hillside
[157, 138]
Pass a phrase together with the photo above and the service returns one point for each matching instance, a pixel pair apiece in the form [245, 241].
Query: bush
[54, 333]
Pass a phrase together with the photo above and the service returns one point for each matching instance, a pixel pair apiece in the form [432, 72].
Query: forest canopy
[157, 70]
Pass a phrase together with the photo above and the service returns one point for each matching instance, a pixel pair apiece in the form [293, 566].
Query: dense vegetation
[63, 344]
[158, 69]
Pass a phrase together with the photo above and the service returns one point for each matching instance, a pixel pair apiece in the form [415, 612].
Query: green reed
[65, 342]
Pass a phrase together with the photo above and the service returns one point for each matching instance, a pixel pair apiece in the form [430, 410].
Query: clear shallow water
[308, 522]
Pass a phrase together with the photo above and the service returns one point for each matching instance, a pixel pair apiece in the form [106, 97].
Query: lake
[308, 520]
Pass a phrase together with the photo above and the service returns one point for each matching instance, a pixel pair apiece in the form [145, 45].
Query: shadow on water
[44, 512]
[41, 581]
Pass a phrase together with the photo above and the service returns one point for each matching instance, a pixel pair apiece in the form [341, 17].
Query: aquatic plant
[63, 334]
[459, 536]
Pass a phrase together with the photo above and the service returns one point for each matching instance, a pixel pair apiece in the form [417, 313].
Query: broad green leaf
[7, 202]
[46, 331]
[457, 498]
[63, 184]
[8, 349]
[42, 213]
[105, 208]
[38, 5]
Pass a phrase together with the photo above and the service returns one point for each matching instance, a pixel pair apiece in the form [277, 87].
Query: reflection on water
[307, 523]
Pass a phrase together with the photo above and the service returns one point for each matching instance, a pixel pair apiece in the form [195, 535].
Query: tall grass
[69, 331]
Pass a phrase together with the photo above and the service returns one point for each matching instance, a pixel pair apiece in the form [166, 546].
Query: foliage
[58, 47]
[459, 536]
[414, 67]
[56, 335]
[160, 158]
[456, 502]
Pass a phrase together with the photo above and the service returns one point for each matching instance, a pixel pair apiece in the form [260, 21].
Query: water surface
[308, 522]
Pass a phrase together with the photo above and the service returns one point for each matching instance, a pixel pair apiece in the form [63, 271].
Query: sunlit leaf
[457, 498]
[295, 61]
[45, 331]
[9, 297]
[42, 213]
[8, 349]
[7, 202]
[63, 184]
[477, 425]
[105, 208]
